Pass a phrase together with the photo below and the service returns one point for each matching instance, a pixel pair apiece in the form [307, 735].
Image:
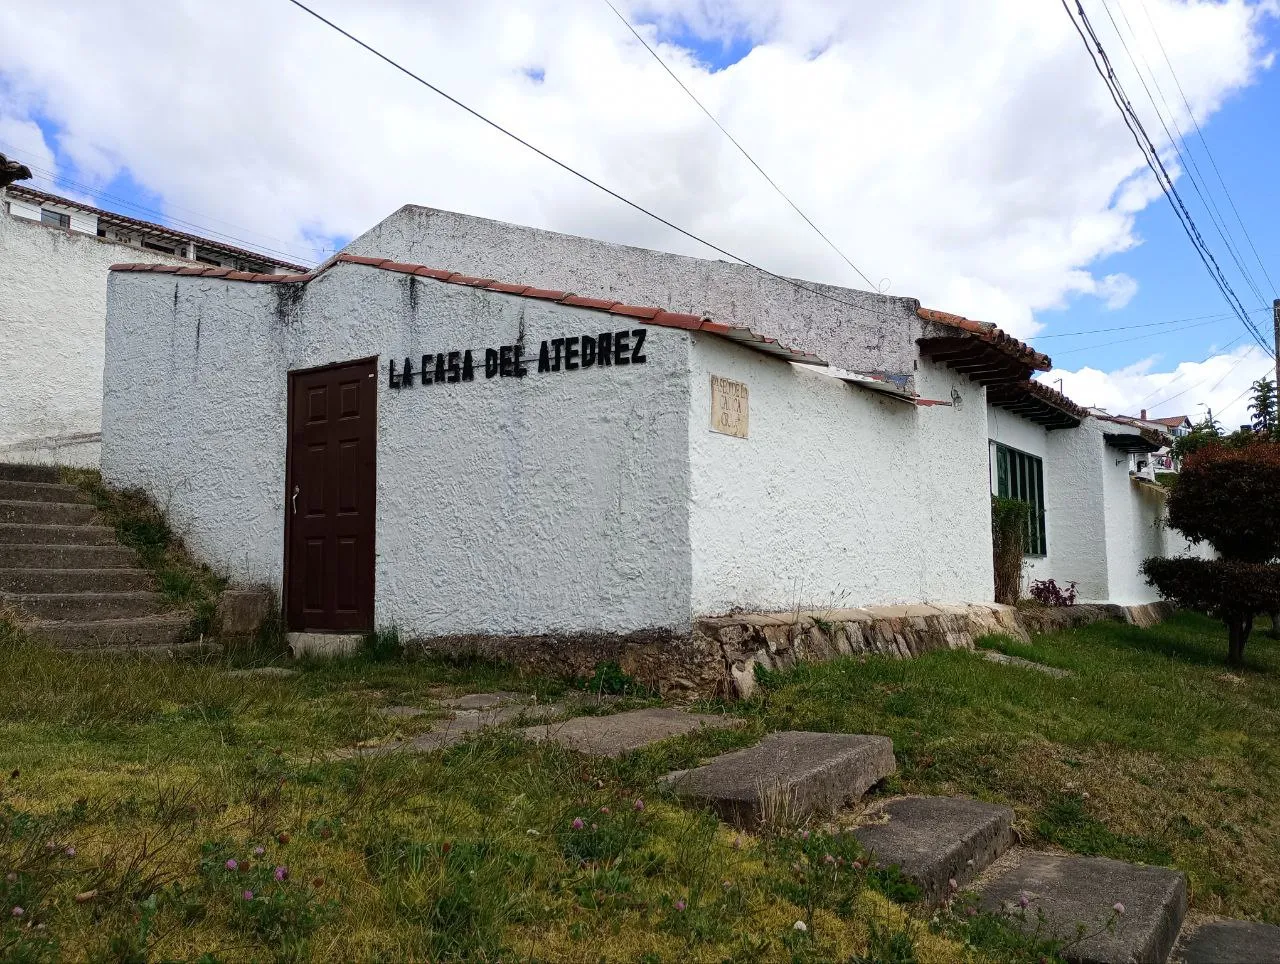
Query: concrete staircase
[66, 577]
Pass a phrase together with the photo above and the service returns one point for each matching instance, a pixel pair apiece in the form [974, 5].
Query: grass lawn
[127, 785]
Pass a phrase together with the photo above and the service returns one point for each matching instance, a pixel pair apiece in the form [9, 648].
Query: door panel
[330, 510]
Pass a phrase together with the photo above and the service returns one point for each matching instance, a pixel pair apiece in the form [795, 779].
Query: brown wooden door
[329, 507]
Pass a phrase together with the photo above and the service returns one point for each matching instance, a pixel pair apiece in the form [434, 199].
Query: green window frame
[1021, 476]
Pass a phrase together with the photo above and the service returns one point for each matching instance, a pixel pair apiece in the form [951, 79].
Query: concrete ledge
[935, 840]
[323, 645]
[1236, 941]
[787, 777]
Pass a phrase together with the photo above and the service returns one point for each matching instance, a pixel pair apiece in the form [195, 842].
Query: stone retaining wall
[720, 656]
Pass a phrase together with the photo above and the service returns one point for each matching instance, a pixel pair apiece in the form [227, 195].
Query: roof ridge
[990, 333]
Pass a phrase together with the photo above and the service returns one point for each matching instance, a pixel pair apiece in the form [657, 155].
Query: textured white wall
[557, 502]
[849, 328]
[53, 294]
[837, 497]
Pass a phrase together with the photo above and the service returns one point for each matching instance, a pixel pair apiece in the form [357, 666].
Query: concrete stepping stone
[278, 672]
[484, 701]
[1081, 891]
[788, 776]
[1236, 941]
[1007, 660]
[457, 726]
[621, 733]
[934, 840]
[400, 712]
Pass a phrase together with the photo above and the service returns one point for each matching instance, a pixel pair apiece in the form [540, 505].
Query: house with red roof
[470, 430]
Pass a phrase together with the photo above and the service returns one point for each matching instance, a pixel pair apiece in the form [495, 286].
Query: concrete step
[1075, 892]
[935, 840]
[75, 580]
[20, 472]
[788, 776]
[623, 732]
[45, 535]
[81, 606]
[99, 633]
[47, 513]
[1234, 941]
[40, 492]
[67, 557]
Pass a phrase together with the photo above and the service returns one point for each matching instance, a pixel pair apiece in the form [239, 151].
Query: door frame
[288, 474]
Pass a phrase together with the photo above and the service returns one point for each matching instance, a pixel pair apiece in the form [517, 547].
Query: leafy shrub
[1009, 521]
[612, 679]
[1229, 498]
[1047, 591]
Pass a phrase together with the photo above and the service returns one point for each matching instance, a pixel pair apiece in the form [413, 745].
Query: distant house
[1176, 426]
[54, 256]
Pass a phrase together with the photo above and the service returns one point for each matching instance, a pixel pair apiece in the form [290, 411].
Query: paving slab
[1234, 941]
[787, 776]
[400, 712]
[1007, 660]
[484, 701]
[456, 726]
[935, 840]
[623, 732]
[1075, 892]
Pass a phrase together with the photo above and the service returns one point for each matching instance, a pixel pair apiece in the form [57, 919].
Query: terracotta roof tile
[989, 333]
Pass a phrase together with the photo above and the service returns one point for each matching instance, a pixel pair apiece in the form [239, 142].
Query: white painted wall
[53, 291]
[558, 502]
[838, 496]
[850, 328]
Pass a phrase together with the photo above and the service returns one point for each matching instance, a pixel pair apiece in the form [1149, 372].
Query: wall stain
[288, 301]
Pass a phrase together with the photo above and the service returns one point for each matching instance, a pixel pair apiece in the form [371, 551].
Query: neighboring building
[745, 442]
[54, 256]
[1176, 426]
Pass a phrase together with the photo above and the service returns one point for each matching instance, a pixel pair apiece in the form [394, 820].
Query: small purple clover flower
[577, 823]
[259, 851]
[952, 884]
[681, 905]
[17, 912]
[248, 895]
[282, 874]
[1118, 907]
[70, 851]
[1024, 901]
[605, 810]
[805, 835]
[232, 865]
[638, 806]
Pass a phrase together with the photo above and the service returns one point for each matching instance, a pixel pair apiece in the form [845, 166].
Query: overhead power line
[734, 141]
[1149, 324]
[566, 167]
[1186, 157]
[1121, 341]
[1181, 373]
[1151, 156]
[1205, 144]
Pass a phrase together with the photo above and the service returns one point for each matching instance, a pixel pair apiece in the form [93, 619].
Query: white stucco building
[54, 256]
[461, 428]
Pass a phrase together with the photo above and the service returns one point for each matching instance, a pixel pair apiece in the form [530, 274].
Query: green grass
[144, 527]
[1153, 752]
[132, 783]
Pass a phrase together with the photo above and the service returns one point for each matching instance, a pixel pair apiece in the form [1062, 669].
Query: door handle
[294, 499]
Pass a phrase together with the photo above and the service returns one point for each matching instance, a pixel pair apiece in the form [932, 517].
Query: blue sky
[1245, 142]
[1172, 284]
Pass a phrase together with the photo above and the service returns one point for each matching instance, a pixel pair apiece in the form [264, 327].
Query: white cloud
[1116, 290]
[1220, 382]
[976, 161]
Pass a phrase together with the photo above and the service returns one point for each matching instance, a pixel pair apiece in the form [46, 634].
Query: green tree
[1202, 435]
[1230, 499]
[1263, 406]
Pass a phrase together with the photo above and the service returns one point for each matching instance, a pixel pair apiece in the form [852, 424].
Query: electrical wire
[1121, 341]
[1152, 159]
[734, 141]
[1205, 144]
[1187, 159]
[565, 166]
[1149, 324]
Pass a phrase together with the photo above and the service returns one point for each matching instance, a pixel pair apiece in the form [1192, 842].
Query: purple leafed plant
[1047, 591]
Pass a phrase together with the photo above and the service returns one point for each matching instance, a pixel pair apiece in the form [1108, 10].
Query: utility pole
[1275, 311]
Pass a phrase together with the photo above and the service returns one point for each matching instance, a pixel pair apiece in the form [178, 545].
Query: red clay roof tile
[989, 333]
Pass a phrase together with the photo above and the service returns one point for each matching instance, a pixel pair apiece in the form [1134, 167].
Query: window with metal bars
[1021, 476]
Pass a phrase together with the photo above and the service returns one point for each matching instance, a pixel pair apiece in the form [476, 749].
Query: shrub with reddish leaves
[1048, 592]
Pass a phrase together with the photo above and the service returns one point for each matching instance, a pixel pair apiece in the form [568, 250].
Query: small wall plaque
[728, 407]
